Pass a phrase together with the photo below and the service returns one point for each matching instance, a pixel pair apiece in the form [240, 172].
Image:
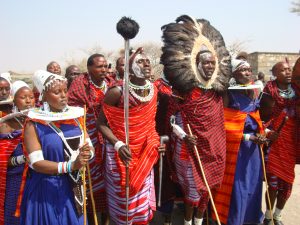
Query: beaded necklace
[103, 86]
[147, 87]
[287, 93]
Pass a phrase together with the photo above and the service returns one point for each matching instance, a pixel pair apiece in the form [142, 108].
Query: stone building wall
[264, 61]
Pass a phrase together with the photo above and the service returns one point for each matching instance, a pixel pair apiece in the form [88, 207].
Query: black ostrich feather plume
[128, 28]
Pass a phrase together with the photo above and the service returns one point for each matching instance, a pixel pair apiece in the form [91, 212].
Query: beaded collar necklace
[148, 86]
[287, 93]
[103, 86]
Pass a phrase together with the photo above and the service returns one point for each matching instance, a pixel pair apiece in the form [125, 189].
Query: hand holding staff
[163, 139]
[128, 28]
[204, 178]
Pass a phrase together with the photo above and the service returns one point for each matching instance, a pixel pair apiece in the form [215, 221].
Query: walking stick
[128, 28]
[92, 195]
[267, 185]
[83, 170]
[204, 178]
[163, 139]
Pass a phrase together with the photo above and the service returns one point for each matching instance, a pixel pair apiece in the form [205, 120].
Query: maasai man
[5, 94]
[54, 142]
[54, 67]
[238, 201]
[88, 89]
[142, 152]
[11, 153]
[72, 72]
[282, 156]
[197, 65]
[296, 82]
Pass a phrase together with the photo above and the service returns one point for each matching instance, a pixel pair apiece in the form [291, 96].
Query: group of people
[226, 137]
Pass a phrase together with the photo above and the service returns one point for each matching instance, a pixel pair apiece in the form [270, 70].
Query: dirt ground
[290, 215]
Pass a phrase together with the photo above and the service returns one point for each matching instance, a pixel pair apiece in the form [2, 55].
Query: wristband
[35, 156]
[247, 137]
[178, 131]
[118, 145]
[92, 154]
[59, 167]
[267, 130]
[88, 140]
[69, 166]
[20, 159]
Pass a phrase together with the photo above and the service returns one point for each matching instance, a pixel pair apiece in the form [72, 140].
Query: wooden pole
[266, 181]
[83, 169]
[204, 178]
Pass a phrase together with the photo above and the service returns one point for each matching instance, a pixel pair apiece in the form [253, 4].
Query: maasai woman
[5, 97]
[12, 158]
[238, 201]
[53, 139]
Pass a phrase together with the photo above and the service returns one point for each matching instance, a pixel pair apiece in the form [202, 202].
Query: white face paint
[136, 68]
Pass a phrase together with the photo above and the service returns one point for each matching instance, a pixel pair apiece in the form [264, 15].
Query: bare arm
[32, 144]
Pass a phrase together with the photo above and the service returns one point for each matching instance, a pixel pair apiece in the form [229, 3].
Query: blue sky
[35, 32]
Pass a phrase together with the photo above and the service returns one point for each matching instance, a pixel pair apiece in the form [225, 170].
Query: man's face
[54, 68]
[4, 90]
[141, 66]
[206, 65]
[120, 67]
[98, 70]
[283, 73]
[72, 73]
[243, 75]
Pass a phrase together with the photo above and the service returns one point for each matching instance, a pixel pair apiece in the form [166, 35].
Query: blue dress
[246, 198]
[49, 199]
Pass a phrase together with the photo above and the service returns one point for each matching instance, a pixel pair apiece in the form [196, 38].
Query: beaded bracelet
[64, 167]
[246, 137]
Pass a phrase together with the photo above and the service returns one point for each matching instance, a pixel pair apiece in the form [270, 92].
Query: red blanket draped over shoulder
[7, 146]
[282, 156]
[143, 140]
[234, 126]
[203, 111]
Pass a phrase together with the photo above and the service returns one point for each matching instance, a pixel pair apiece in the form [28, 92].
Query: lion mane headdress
[183, 40]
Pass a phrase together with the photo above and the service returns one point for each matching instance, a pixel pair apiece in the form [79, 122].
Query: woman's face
[243, 75]
[56, 96]
[4, 89]
[24, 98]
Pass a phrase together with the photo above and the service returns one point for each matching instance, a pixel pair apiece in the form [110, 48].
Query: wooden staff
[266, 181]
[128, 29]
[83, 170]
[92, 195]
[204, 178]
[163, 139]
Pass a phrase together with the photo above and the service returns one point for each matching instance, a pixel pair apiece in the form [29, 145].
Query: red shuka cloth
[203, 111]
[143, 140]
[7, 146]
[283, 152]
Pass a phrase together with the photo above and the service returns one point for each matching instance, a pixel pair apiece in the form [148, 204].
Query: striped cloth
[282, 156]
[143, 143]
[234, 126]
[8, 143]
[203, 110]
[184, 173]
[140, 205]
[82, 92]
